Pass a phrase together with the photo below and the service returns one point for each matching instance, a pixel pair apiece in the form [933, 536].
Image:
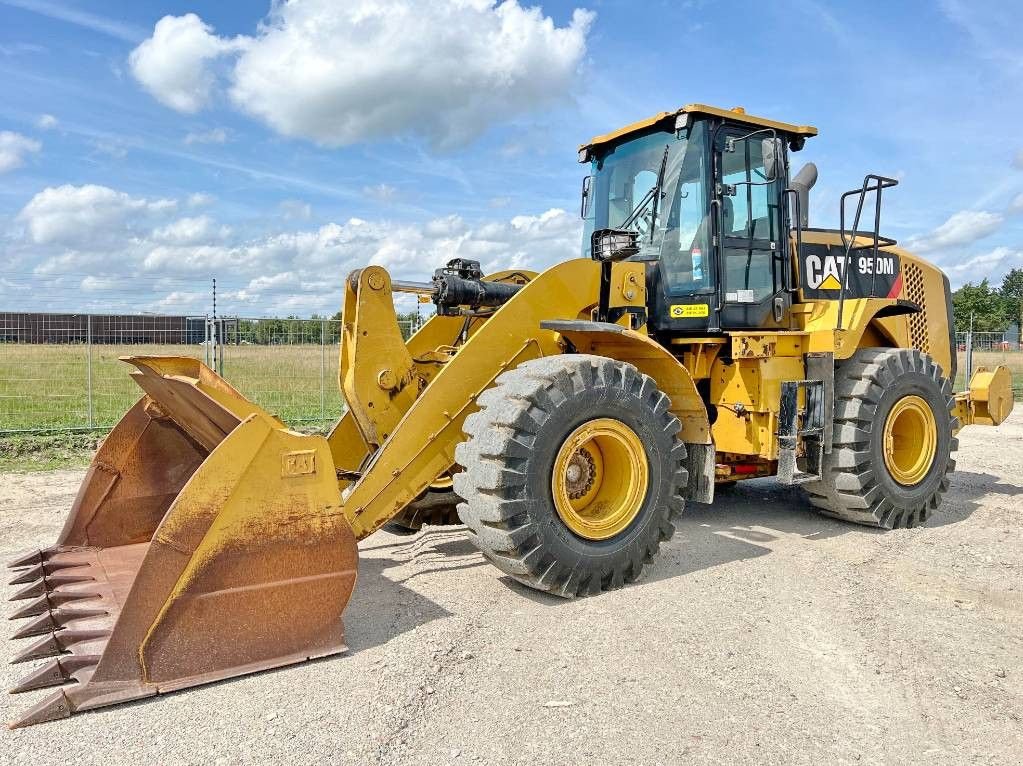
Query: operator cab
[702, 196]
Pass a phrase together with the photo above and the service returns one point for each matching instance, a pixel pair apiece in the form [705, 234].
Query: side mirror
[773, 158]
[584, 201]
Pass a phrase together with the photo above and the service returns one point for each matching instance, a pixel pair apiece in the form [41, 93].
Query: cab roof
[736, 113]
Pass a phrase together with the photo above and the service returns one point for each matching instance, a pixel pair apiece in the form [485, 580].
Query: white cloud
[340, 73]
[13, 148]
[380, 192]
[136, 253]
[200, 199]
[1016, 206]
[81, 216]
[47, 122]
[991, 264]
[174, 64]
[214, 136]
[191, 231]
[1017, 161]
[961, 228]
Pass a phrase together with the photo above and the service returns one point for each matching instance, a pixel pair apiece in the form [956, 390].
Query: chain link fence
[989, 349]
[61, 372]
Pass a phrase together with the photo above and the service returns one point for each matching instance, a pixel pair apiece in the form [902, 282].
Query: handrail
[871, 183]
[788, 283]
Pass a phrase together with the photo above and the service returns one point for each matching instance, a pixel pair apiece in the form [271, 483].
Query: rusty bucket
[206, 541]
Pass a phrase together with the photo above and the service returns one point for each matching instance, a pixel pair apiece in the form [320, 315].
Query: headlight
[613, 244]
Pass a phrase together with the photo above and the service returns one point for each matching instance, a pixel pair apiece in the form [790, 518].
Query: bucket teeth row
[55, 644]
[55, 620]
[67, 611]
[56, 672]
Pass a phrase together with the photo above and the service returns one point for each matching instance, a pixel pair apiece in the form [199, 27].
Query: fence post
[323, 372]
[968, 374]
[88, 369]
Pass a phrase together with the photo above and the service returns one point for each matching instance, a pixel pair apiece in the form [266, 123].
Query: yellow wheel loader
[708, 335]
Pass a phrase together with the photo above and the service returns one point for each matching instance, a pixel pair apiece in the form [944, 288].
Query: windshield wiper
[654, 194]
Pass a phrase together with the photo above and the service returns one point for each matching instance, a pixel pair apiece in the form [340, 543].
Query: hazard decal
[822, 270]
[689, 310]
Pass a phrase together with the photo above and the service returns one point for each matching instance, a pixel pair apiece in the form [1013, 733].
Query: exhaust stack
[803, 181]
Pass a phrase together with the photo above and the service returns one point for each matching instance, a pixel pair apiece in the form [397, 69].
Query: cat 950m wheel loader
[710, 336]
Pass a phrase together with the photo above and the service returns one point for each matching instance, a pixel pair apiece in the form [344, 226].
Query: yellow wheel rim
[600, 478]
[910, 440]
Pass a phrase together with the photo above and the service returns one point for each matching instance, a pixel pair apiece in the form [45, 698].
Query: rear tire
[892, 446]
[525, 437]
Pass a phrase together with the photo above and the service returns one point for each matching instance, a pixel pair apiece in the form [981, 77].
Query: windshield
[674, 229]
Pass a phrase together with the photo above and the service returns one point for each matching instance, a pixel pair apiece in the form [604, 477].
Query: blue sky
[144, 150]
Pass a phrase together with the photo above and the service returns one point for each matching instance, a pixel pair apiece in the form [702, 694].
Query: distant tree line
[293, 330]
[993, 309]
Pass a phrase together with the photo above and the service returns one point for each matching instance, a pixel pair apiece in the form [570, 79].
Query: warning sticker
[823, 269]
[689, 310]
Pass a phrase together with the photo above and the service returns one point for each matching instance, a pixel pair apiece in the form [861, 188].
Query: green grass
[44, 452]
[46, 386]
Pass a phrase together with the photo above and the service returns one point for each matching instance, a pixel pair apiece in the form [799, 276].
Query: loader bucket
[206, 541]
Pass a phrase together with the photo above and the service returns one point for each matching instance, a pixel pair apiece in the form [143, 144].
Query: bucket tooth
[55, 644]
[45, 647]
[52, 708]
[56, 672]
[36, 589]
[45, 584]
[50, 601]
[26, 559]
[41, 625]
[47, 570]
[35, 607]
[28, 575]
[56, 620]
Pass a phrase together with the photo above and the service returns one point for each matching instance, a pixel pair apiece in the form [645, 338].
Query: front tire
[573, 473]
[893, 440]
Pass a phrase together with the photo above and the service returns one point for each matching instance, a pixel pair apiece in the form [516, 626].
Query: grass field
[47, 386]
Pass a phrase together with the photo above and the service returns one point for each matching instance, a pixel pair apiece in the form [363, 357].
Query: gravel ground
[763, 634]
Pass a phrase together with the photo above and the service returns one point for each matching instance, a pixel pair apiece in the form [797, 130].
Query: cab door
[749, 167]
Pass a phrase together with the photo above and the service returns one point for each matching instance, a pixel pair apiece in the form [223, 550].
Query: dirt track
[763, 634]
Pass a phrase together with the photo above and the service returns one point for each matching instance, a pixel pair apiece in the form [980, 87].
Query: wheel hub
[580, 474]
[600, 479]
[910, 440]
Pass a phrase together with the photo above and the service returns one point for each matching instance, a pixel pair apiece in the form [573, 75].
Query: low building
[27, 327]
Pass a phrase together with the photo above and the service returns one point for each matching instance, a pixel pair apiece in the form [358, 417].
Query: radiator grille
[918, 321]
